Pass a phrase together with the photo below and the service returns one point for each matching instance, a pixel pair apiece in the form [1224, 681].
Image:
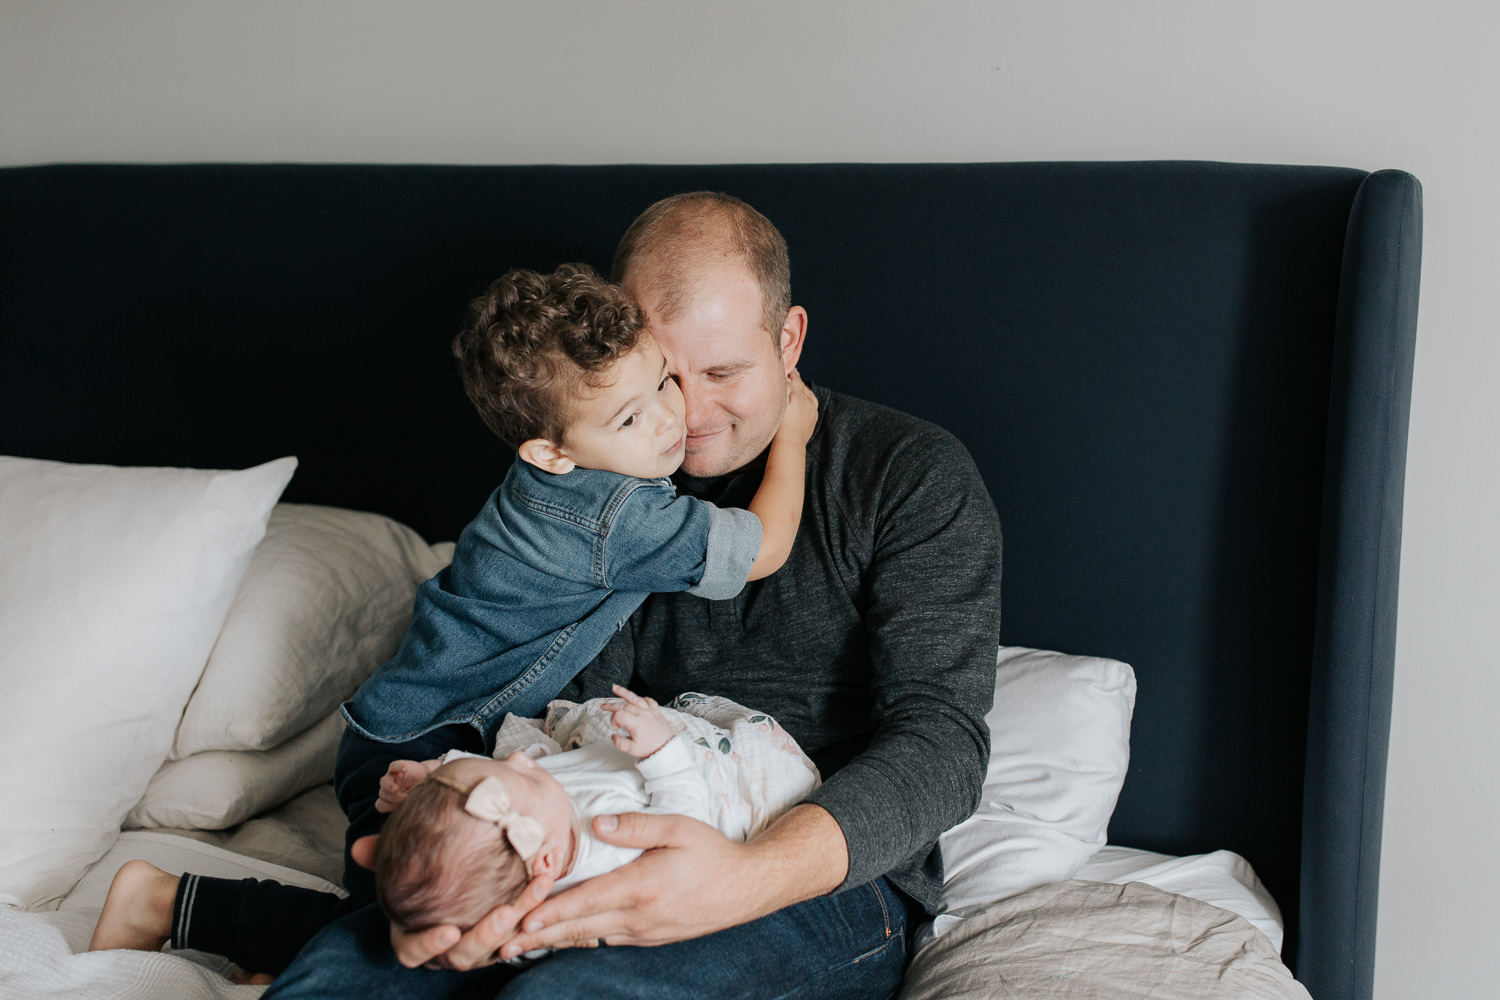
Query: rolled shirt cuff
[733, 543]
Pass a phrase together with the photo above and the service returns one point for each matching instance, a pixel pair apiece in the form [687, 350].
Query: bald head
[678, 244]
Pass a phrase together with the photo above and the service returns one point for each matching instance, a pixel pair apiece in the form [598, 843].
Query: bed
[1186, 385]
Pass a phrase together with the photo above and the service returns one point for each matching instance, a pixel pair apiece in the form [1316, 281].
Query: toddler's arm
[778, 502]
[726, 546]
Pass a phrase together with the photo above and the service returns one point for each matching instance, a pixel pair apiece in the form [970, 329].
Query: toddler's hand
[400, 778]
[801, 410]
[646, 729]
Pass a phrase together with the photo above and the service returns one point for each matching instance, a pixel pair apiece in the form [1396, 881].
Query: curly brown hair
[533, 340]
[436, 864]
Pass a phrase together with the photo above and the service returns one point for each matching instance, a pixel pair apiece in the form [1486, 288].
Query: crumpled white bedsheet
[36, 963]
[43, 956]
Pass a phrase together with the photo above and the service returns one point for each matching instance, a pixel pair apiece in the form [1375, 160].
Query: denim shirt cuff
[733, 544]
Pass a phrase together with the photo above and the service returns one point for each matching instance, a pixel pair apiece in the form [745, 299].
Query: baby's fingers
[633, 698]
[633, 720]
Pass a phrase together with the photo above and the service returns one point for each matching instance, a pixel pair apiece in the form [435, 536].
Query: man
[873, 646]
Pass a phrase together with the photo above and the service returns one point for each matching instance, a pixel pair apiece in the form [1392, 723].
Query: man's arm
[691, 881]
[932, 614]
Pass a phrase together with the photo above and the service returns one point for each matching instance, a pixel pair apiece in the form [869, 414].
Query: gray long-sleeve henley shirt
[874, 646]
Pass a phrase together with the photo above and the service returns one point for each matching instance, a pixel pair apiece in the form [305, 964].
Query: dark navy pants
[850, 945]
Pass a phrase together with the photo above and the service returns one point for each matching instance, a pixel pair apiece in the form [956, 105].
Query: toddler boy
[583, 527]
[585, 524]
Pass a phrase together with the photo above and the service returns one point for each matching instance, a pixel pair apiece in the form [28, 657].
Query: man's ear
[545, 456]
[793, 335]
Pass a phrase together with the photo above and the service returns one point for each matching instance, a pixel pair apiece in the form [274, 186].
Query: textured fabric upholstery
[1186, 385]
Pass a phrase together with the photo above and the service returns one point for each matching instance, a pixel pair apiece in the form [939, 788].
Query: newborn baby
[468, 832]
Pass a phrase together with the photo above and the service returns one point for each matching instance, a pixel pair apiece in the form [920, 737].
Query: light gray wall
[1371, 84]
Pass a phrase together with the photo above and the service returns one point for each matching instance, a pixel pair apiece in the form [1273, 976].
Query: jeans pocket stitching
[869, 954]
[885, 913]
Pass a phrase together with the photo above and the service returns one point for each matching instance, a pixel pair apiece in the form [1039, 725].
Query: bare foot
[137, 912]
[240, 977]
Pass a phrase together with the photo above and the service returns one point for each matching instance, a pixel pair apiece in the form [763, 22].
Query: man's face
[733, 383]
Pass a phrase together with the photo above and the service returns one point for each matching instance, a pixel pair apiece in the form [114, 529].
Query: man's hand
[691, 881]
[400, 778]
[646, 729]
[446, 947]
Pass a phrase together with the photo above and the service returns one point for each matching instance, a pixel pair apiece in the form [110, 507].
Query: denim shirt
[540, 581]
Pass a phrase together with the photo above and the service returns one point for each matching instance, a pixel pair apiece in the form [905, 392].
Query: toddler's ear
[545, 456]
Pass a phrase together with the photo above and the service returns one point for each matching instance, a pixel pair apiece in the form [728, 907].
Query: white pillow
[113, 585]
[1220, 878]
[217, 789]
[1060, 744]
[326, 600]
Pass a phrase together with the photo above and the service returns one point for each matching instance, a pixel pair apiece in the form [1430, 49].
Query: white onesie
[730, 767]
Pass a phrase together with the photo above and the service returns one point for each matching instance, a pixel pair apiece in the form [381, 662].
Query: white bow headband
[490, 802]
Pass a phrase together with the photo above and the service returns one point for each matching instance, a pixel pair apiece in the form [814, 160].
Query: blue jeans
[849, 945]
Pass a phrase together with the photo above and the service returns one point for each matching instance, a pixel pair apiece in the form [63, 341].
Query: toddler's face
[633, 426]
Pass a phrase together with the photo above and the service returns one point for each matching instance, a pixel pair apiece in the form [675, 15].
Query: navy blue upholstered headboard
[1187, 385]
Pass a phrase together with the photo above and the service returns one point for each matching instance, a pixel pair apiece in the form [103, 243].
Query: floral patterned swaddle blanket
[754, 768]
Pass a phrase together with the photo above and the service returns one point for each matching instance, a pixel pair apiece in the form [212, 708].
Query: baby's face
[634, 425]
[533, 792]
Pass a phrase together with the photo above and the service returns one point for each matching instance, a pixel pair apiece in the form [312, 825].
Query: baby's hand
[646, 729]
[400, 778]
[801, 410]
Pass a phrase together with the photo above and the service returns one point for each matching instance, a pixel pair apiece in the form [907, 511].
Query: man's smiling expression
[733, 382]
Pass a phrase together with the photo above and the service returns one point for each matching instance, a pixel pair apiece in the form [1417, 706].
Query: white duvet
[36, 963]
[43, 954]
[1083, 940]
